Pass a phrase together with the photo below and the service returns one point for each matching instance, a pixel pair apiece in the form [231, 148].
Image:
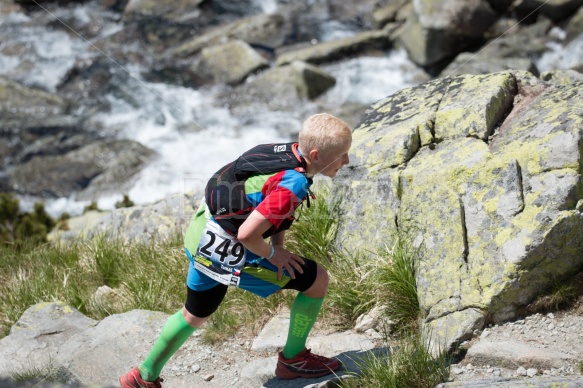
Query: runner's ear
[314, 154]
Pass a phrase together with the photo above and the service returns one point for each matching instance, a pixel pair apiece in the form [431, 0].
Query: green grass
[151, 276]
[560, 295]
[49, 373]
[409, 365]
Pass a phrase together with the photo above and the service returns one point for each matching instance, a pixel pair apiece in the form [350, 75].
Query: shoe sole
[285, 374]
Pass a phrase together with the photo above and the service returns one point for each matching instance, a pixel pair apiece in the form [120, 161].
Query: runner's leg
[198, 308]
[304, 312]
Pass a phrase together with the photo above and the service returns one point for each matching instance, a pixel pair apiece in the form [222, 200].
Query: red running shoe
[134, 380]
[305, 364]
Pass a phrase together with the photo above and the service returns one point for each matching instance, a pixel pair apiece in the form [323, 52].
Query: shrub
[17, 227]
[125, 202]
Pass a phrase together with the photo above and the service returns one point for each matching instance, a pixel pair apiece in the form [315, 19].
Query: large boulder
[438, 29]
[484, 173]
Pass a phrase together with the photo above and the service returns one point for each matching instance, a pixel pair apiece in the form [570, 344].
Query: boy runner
[244, 203]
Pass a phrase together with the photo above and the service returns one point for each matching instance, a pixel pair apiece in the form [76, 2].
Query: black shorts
[203, 303]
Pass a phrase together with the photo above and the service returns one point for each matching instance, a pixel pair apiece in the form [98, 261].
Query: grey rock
[387, 13]
[437, 30]
[479, 133]
[274, 334]
[159, 220]
[470, 63]
[511, 353]
[265, 30]
[562, 77]
[556, 10]
[229, 63]
[26, 107]
[281, 88]
[333, 50]
[502, 382]
[178, 11]
[101, 166]
[35, 339]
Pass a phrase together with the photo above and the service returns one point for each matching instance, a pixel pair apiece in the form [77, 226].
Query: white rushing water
[192, 135]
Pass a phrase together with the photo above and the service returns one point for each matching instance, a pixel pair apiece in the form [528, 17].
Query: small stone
[497, 373]
[457, 371]
[469, 367]
[531, 372]
[195, 368]
[521, 371]
[208, 377]
[551, 326]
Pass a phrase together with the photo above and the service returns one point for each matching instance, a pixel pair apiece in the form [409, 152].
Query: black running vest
[225, 191]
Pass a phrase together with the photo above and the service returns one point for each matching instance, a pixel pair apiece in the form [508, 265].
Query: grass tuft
[560, 296]
[408, 365]
[49, 373]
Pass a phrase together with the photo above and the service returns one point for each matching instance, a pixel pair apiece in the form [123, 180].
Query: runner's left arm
[278, 238]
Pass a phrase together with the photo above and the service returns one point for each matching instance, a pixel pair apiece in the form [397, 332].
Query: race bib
[219, 255]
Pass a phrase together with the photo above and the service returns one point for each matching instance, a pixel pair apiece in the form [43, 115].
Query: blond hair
[323, 132]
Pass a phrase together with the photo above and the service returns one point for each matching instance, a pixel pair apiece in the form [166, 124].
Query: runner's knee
[202, 304]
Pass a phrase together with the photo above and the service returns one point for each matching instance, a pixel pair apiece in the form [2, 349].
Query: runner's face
[333, 160]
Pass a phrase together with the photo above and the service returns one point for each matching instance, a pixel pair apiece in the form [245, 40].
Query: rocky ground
[538, 347]
[538, 350]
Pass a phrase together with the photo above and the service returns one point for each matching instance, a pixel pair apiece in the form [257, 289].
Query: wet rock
[105, 165]
[87, 81]
[470, 63]
[176, 10]
[229, 63]
[26, 107]
[282, 88]
[556, 10]
[435, 31]
[387, 13]
[518, 41]
[329, 51]
[574, 26]
[7, 7]
[264, 30]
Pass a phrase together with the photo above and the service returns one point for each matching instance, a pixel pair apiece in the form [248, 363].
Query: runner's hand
[284, 259]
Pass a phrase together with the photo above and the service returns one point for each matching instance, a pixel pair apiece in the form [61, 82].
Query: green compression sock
[174, 333]
[303, 315]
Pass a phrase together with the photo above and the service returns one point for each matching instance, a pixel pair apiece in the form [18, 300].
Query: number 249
[238, 251]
